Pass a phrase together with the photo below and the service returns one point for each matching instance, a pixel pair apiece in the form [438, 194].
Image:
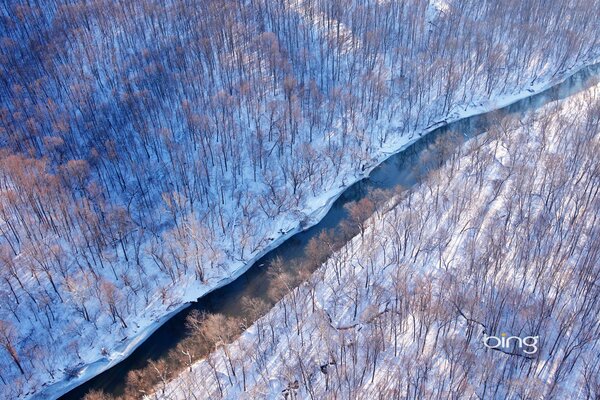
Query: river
[401, 170]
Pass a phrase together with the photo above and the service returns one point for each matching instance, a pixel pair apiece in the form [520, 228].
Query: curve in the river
[403, 169]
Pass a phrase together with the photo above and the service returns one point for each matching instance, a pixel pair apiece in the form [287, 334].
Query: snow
[264, 235]
[315, 209]
[272, 363]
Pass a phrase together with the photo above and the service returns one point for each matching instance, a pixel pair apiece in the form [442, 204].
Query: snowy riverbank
[385, 310]
[314, 210]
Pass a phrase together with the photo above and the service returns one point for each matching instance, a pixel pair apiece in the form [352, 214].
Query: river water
[401, 170]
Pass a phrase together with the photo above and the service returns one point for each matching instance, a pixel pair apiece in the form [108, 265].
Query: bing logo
[528, 343]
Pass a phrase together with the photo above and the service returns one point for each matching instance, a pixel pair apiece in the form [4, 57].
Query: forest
[503, 238]
[150, 149]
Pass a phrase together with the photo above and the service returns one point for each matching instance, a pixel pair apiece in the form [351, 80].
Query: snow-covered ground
[315, 209]
[283, 227]
[154, 291]
[502, 239]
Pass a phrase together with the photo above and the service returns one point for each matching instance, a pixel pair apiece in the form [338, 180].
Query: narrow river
[400, 171]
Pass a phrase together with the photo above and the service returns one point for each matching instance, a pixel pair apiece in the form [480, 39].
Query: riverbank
[316, 210]
[497, 241]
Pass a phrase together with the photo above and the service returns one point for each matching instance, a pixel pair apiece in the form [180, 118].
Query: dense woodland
[503, 238]
[148, 146]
